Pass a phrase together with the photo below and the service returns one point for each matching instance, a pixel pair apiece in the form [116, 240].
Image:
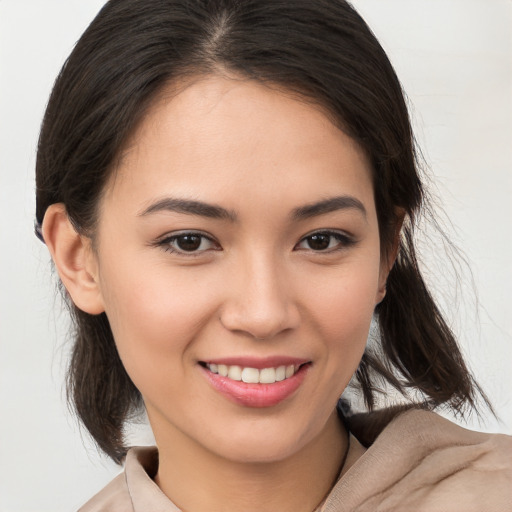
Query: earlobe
[381, 293]
[389, 261]
[74, 259]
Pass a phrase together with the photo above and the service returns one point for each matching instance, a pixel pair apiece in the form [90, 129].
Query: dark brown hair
[321, 50]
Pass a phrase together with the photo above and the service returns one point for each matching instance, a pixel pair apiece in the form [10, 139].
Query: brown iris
[188, 242]
[319, 242]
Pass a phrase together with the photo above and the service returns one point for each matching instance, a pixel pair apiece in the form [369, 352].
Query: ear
[389, 257]
[74, 258]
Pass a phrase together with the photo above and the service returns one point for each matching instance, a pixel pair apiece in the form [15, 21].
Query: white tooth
[290, 370]
[251, 375]
[267, 376]
[214, 368]
[280, 373]
[235, 372]
[223, 370]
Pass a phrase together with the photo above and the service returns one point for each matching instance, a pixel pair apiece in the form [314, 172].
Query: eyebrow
[212, 211]
[190, 207]
[327, 206]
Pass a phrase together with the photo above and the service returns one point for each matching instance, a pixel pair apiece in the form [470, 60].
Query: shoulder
[423, 462]
[134, 488]
[115, 497]
[450, 468]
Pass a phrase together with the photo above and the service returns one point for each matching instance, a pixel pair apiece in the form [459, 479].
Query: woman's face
[239, 236]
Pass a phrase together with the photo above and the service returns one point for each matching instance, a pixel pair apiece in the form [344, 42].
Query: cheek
[342, 309]
[345, 299]
[154, 316]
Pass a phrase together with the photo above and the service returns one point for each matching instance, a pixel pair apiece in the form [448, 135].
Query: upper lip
[257, 362]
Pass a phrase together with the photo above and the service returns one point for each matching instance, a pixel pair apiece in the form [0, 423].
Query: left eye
[187, 243]
[324, 241]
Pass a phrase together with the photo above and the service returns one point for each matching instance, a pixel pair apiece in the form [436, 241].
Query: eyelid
[346, 240]
[164, 242]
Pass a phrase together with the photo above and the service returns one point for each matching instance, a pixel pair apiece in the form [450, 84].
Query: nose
[260, 302]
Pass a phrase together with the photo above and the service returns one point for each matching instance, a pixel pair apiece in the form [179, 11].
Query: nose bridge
[260, 301]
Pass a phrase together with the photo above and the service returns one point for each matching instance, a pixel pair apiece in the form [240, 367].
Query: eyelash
[165, 243]
[344, 241]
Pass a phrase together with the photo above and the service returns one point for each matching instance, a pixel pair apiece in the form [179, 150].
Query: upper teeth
[253, 375]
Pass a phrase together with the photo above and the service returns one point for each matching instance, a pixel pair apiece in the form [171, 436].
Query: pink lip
[256, 395]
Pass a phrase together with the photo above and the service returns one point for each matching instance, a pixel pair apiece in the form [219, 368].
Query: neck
[201, 481]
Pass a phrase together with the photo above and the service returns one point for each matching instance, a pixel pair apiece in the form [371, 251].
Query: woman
[228, 191]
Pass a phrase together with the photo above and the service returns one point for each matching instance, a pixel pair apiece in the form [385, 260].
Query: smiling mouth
[255, 382]
[254, 375]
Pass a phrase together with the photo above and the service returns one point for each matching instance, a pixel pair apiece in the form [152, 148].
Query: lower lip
[256, 395]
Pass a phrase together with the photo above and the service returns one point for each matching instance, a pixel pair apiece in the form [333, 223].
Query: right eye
[188, 243]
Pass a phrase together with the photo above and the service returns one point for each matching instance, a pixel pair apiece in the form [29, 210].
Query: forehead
[233, 140]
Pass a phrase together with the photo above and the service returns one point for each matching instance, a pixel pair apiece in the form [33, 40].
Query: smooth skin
[252, 281]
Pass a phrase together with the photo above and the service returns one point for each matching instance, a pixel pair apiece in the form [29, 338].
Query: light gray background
[455, 60]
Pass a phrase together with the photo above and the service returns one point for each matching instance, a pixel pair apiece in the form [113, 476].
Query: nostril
[260, 325]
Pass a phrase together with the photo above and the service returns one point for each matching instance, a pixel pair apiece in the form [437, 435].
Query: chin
[264, 443]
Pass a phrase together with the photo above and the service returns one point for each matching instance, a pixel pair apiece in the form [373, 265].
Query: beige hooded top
[419, 462]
